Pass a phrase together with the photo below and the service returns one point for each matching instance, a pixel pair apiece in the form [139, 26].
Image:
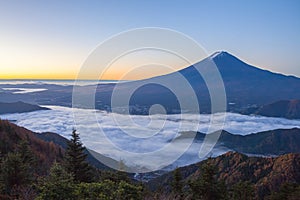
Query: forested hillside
[232, 175]
[35, 166]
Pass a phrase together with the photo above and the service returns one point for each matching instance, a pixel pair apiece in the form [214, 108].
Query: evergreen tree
[25, 151]
[121, 174]
[127, 191]
[58, 185]
[14, 172]
[75, 160]
[108, 190]
[177, 186]
[243, 190]
[28, 157]
[17, 168]
[207, 187]
[288, 191]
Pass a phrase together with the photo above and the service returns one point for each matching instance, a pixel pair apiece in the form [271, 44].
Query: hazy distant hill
[19, 107]
[267, 174]
[273, 142]
[52, 94]
[286, 108]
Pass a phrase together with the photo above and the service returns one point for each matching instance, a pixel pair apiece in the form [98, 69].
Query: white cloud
[148, 134]
[24, 90]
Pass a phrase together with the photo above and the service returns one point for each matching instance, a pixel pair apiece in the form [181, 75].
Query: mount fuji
[246, 87]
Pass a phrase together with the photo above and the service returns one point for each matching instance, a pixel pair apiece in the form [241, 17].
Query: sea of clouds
[135, 136]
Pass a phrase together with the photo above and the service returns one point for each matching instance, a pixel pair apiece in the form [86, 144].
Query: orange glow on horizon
[134, 66]
[70, 76]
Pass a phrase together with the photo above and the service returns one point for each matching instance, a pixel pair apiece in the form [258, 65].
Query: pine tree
[14, 172]
[75, 159]
[243, 190]
[177, 186]
[58, 185]
[17, 168]
[207, 187]
[28, 157]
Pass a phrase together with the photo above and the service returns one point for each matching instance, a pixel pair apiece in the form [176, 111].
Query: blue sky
[43, 36]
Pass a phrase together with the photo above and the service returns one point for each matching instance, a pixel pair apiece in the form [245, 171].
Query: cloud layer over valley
[150, 133]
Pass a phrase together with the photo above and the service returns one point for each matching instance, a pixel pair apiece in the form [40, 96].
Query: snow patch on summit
[218, 53]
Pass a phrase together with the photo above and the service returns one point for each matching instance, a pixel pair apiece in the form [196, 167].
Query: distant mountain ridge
[289, 109]
[247, 87]
[273, 142]
[19, 107]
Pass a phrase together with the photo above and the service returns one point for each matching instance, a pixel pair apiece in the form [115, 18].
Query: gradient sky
[51, 39]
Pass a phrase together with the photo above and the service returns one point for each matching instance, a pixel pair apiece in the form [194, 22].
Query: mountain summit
[247, 88]
[248, 85]
[219, 54]
[245, 85]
